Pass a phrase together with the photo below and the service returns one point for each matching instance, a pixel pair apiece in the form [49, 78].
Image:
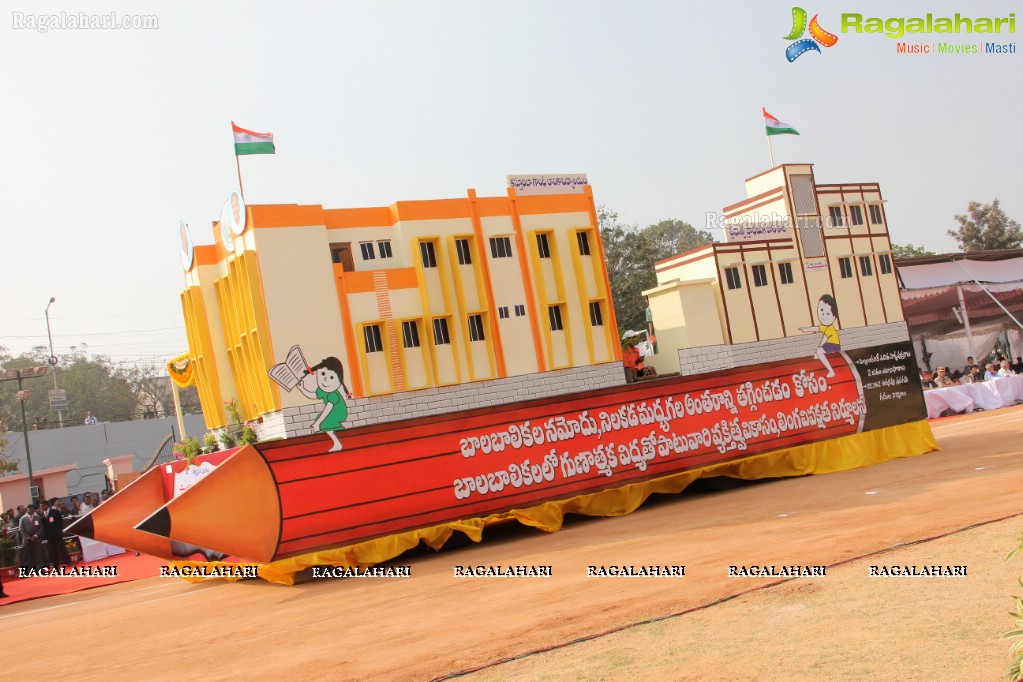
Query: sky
[113, 137]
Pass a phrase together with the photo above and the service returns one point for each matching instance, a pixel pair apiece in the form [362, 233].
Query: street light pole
[22, 396]
[32, 492]
[53, 358]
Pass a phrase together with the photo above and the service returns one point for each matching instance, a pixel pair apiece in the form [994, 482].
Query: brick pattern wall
[714, 358]
[297, 421]
[272, 427]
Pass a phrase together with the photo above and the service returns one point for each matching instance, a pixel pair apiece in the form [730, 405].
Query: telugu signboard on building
[571, 183]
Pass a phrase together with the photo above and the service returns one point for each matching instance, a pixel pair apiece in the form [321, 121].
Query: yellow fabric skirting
[822, 457]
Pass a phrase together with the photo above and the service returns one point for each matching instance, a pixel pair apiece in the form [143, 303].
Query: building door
[342, 253]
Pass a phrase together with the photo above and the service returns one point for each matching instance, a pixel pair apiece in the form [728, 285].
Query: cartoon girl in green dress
[324, 383]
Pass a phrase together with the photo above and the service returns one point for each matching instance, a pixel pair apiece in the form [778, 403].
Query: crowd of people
[39, 529]
[972, 373]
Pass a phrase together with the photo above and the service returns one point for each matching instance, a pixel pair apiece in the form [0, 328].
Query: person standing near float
[324, 383]
[827, 315]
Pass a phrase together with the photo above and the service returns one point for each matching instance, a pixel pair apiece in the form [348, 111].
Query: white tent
[956, 301]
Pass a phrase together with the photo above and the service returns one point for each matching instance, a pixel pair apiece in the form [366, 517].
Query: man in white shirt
[87, 505]
[89, 419]
[1006, 369]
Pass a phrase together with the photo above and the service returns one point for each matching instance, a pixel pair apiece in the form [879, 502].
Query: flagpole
[769, 149]
[238, 165]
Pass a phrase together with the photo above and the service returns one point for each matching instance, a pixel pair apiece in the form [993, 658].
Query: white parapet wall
[714, 358]
[297, 421]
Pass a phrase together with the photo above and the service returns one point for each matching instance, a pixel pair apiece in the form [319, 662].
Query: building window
[440, 332]
[385, 248]
[371, 333]
[856, 215]
[476, 328]
[785, 273]
[584, 243]
[845, 266]
[428, 254]
[733, 277]
[835, 216]
[520, 310]
[500, 247]
[502, 312]
[554, 312]
[543, 246]
[367, 250]
[410, 333]
[596, 317]
[875, 214]
[759, 276]
[464, 255]
[866, 267]
[885, 264]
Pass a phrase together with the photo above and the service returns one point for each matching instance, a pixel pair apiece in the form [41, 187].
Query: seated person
[970, 364]
[1006, 369]
[974, 377]
[991, 372]
[1018, 367]
[631, 359]
[927, 379]
[943, 380]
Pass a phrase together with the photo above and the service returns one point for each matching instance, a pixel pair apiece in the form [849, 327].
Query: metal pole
[966, 322]
[53, 358]
[986, 291]
[238, 166]
[28, 453]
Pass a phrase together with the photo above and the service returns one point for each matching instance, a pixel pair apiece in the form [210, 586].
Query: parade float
[432, 367]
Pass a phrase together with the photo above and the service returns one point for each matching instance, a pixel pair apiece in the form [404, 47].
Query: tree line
[94, 383]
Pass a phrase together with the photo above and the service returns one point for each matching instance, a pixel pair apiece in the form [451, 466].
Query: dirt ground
[959, 506]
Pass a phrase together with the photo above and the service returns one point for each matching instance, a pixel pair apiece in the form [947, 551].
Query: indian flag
[248, 142]
[774, 126]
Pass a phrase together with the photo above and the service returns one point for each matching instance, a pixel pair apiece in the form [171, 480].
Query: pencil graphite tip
[82, 526]
[159, 523]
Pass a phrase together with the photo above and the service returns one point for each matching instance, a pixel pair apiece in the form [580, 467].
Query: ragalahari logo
[818, 35]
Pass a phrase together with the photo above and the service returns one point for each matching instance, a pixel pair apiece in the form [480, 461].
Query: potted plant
[9, 556]
[209, 443]
[248, 436]
[188, 449]
[227, 440]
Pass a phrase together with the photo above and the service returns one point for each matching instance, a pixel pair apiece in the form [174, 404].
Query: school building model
[432, 306]
[748, 299]
[479, 339]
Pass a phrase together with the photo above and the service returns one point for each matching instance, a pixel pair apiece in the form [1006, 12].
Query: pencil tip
[83, 526]
[157, 524]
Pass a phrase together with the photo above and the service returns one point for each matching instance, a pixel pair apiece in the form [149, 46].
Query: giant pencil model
[113, 522]
[288, 498]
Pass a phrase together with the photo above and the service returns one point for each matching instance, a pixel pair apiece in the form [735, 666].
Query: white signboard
[58, 400]
[815, 264]
[525, 185]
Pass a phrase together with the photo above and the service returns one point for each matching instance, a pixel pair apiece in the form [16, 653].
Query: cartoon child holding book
[324, 381]
[827, 315]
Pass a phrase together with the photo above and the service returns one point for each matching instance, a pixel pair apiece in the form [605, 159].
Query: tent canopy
[930, 285]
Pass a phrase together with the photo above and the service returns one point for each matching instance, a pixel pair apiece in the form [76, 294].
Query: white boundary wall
[716, 358]
[297, 421]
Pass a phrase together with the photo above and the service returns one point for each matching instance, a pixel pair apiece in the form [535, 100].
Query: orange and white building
[787, 244]
[464, 302]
